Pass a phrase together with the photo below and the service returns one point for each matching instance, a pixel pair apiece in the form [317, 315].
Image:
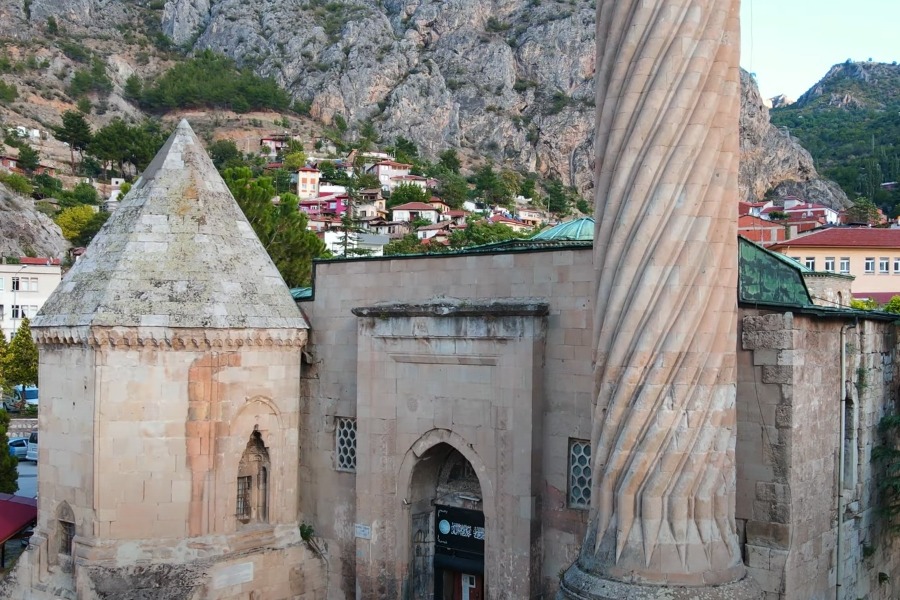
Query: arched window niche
[252, 501]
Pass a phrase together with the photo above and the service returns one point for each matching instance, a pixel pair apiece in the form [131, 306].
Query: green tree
[73, 220]
[862, 211]
[281, 228]
[405, 150]
[294, 161]
[453, 189]
[405, 193]
[17, 183]
[490, 187]
[408, 244]
[478, 232]
[28, 159]
[133, 87]
[866, 304]
[893, 305]
[449, 160]
[9, 474]
[224, 153]
[20, 363]
[75, 131]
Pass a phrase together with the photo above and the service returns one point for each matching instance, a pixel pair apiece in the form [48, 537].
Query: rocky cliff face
[510, 80]
[773, 161]
[25, 231]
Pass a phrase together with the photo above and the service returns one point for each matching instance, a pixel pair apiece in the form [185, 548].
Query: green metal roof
[580, 230]
[769, 277]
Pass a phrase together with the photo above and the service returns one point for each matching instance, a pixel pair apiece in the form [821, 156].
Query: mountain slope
[510, 80]
[849, 123]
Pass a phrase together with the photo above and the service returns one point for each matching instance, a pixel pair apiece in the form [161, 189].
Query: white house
[411, 211]
[387, 170]
[24, 288]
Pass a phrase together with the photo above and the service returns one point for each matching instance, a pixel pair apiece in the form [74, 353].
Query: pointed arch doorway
[447, 527]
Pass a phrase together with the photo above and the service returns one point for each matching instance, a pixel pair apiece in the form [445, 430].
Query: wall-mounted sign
[458, 529]
[363, 532]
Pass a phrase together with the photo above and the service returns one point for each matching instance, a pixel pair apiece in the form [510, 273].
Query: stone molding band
[169, 339]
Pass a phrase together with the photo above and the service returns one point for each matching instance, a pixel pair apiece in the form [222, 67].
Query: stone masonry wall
[789, 412]
[562, 278]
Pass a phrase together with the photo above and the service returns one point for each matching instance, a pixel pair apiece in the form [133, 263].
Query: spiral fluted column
[665, 322]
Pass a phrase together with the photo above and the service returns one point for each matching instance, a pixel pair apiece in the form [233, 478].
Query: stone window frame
[884, 265]
[845, 264]
[345, 444]
[869, 265]
[252, 487]
[65, 529]
[578, 494]
[829, 264]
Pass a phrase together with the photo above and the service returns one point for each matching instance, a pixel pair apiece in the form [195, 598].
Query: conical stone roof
[178, 252]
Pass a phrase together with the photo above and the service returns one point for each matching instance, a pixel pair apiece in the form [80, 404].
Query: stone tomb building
[170, 383]
[422, 433]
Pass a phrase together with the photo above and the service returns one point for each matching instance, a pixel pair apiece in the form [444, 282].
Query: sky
[791, 44]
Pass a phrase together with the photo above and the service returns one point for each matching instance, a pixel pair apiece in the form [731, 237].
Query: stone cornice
[164, 338]
[486, 307]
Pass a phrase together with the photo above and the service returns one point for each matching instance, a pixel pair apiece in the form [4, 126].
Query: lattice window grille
[579, 473]
[243, 497]
[345, 432]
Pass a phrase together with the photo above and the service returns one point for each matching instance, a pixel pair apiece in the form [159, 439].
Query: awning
[16, 514]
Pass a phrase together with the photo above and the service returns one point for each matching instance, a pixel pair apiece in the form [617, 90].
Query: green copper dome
[575, 230]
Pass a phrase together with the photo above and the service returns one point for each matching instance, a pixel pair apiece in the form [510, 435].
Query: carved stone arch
[444, 436]
[248, 406]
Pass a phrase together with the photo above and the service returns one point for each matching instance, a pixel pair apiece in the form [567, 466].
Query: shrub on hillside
[212, 80]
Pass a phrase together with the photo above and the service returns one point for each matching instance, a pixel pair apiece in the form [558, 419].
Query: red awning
[16, 513]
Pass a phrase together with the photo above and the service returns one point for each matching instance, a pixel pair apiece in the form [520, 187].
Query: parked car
[32, 452]
[26, 393]
[18, 446]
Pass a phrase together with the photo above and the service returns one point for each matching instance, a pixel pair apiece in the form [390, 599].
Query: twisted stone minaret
[662, 516]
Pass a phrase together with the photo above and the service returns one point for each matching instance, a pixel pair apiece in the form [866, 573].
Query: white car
[18, 446]
[32, 452]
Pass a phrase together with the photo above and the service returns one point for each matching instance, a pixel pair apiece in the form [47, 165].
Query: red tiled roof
[407, 178]
[16, 513]
[392, 163]
[28, 260]
[846, 237]
[414, 206]
[308, 169]
[879, 297]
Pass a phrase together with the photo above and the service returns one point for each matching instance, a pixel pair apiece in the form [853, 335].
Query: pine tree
[8, 473]
[20, 363]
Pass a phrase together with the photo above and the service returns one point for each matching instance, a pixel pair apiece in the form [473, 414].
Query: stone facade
[789, 433]
[506, 390]
[392, 369]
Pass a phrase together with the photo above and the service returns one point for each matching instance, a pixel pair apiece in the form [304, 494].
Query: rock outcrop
[774, 161]
[25, 231]
[511, 81]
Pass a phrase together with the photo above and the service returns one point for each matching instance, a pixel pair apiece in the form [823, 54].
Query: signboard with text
[458, 529]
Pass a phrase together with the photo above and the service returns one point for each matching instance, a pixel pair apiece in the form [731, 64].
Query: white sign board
[363, 532]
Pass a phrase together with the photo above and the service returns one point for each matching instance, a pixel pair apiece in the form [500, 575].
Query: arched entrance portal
[447, 527]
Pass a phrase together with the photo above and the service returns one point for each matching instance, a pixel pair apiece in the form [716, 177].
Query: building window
[870, 264]
[810, 263]
[252, 500]
[896, 266]
[17, 312]
[243, 497]
[829, 264]
[579, 473]
[34, 284]
[798, 259]
[345, 443]
[15, 284]
[884, 265]
[845, 264]
[65, 520]
[2, 283]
